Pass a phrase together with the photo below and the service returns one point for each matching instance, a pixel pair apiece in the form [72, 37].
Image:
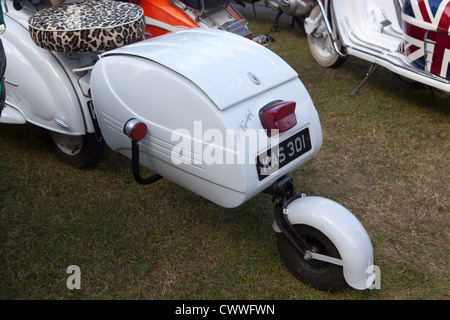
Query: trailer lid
[226, 67]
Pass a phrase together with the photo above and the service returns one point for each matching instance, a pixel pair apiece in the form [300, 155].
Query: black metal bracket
[136, 166]
[275, 23]
[372, 69]
[98, 132]
[283, 194]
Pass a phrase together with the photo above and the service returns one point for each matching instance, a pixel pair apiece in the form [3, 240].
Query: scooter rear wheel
[319, 274]
[321, 46]
[76, 151]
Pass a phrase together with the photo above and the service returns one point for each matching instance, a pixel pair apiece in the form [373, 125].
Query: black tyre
[321, 46]
[76, 151]
[319, 274]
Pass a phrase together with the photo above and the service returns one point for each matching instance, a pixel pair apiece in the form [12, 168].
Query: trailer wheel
[76, 151]
[319, 274]
[321, 46]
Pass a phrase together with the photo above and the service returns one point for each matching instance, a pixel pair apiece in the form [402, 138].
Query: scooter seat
[88, 26]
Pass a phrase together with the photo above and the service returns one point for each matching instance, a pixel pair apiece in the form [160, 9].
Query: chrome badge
[253, 78]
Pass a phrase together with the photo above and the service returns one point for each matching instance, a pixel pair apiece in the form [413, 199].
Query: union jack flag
[426, 24]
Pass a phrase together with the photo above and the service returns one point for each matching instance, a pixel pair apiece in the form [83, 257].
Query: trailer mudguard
[343, 229]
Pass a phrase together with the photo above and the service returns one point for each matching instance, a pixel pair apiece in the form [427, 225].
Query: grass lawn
[385, 156]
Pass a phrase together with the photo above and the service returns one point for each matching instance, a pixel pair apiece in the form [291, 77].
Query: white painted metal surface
[191, 82]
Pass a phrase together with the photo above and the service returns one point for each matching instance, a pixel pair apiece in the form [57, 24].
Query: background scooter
[297, 9]
[163, 16]
[410, 38]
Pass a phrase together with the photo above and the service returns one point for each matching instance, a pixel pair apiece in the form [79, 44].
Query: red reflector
[278, 116]
[139, 131]
[135, 129]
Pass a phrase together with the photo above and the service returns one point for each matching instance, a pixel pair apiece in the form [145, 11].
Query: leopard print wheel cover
[87, 26]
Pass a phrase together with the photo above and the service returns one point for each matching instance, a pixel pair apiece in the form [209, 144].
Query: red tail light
[278, 115]
[135, 129]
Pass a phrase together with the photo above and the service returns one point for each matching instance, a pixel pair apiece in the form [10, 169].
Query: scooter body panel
[426, 25]
[361, 21]
[166, 12]
[165, 16]
[183, 88]
[40, 85]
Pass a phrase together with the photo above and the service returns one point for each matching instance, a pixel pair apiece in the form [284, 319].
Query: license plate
[269, 162]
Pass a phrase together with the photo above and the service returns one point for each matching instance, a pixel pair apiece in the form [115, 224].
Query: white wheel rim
[323, 44]
[70, 145]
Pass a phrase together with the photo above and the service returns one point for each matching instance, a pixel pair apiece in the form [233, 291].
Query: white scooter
[410, 38]
[207, 109]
